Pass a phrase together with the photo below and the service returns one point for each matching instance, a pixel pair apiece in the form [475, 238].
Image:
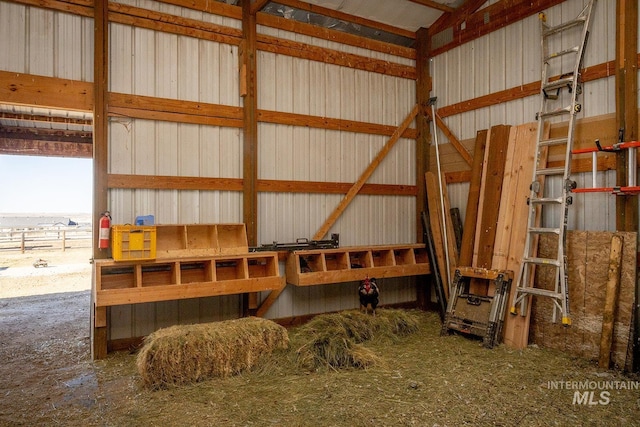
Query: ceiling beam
[456, 17]
[434, 5]
[256, 5]
[312, 8]
[20, 145]
[21, 117]
[34, 134]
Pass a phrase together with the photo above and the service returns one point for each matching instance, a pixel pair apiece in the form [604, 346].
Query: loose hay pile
[191, 353]
[334, 340]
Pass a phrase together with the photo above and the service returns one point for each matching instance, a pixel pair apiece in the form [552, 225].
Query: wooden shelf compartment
[131, 282]
[325, 266]
[194, 240]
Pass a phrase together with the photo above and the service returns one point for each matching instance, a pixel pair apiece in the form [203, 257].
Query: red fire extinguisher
[105, 226]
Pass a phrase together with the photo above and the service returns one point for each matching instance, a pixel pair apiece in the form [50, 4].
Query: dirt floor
[47, 377]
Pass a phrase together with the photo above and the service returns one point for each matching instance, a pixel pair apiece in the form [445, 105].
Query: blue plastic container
[145, 220]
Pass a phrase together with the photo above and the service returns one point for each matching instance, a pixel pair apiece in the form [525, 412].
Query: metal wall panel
[150, 63]
[145, 62]
[510, 57]
[292, 153]
[144, 147]
[44, 42]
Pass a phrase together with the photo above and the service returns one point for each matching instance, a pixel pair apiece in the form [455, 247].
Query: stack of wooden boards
[495, 223]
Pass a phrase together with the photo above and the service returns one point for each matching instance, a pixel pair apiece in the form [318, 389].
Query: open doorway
[45, 225]
[46, 171]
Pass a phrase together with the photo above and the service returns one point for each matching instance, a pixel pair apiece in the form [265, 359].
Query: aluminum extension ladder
[546, 200]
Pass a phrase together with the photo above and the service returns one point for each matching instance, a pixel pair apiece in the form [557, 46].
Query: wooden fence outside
[35, 238]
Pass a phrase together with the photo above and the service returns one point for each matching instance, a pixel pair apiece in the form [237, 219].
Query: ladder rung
[558, 112]
[546, 200]
[558, 83]
[542, 261]
[554, 55]
[544, 230]
[551, 171]
[564, 26]
[555, 141]
[540, 292]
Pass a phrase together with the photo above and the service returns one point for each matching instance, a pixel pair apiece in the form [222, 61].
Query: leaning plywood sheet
[516, 327]
[588, 265]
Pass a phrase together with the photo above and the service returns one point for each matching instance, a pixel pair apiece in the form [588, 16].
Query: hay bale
[186, 354]
[335, 340]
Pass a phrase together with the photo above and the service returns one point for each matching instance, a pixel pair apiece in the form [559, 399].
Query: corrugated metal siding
[150, 63]
[145, 62]
[45, 42]
[295, 153]
[301, 86]
[510, 57]
[154, 64]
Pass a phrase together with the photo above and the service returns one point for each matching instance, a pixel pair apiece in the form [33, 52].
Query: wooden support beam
[163, 182]
[50, 92]
[100, 156]
[257, 5]
[270, 300]
[44, 147]
[453, 139]
[333, 56]
[319, 122]
[248, 74]
[100, 118]
[456, 17]
[172, 24]
[80, 8]
[626, 106]
[365, 175]
[423, 137]
[589, 74]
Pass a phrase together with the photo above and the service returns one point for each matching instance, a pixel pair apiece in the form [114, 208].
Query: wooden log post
[610, 302]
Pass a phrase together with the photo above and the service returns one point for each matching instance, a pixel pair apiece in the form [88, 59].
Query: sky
[31, 184]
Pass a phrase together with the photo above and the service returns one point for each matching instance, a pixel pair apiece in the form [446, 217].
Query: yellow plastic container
[133, 242]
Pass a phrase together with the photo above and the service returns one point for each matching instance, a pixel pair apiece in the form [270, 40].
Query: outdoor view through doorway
[45, 225]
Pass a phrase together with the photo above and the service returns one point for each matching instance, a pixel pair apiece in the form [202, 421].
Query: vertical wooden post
[248, 86]
[248, 90]
[626, 105]
[423, 140]
[423, 88]
[627, 119]
[100, 159]
[610, 301]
